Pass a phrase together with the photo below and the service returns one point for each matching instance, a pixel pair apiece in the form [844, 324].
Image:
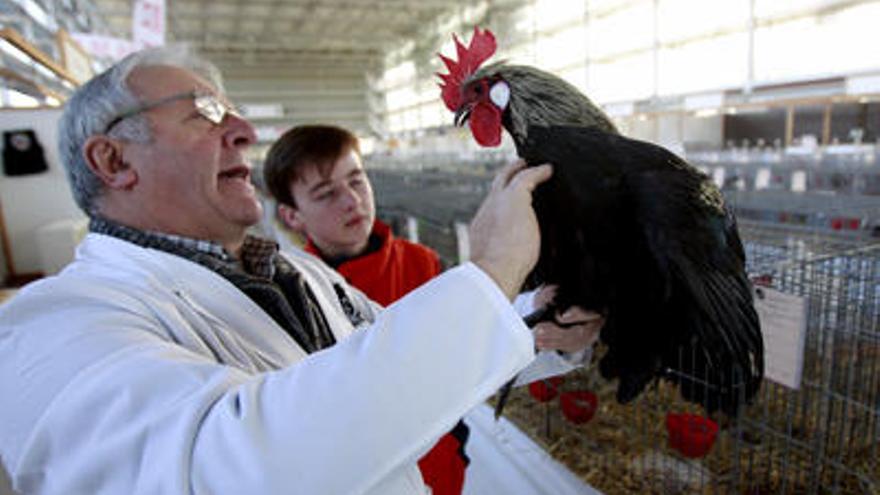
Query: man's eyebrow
[319, 185]
[357, 171]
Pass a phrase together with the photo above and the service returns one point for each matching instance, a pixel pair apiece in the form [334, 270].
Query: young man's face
[336, 212]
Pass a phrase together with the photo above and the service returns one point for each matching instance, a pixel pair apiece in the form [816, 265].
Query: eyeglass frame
[206, 105]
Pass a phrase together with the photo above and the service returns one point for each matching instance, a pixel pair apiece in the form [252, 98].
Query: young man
[316, 175]
[176, 354]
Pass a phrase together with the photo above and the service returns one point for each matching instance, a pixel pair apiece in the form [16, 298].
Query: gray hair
[96, 103]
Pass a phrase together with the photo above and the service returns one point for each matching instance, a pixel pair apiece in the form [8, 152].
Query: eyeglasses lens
[211, 108]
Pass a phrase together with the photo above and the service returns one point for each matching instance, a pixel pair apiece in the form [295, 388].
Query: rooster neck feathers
[538, 98]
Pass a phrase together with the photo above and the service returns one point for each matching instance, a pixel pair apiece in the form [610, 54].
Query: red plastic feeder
[691, 435]
[579, 406]
[764, 280]
[545, 390]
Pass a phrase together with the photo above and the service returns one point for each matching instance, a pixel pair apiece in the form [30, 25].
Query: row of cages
[440, 198]
[852, 169]
[818, 434]
[843, 170]
[851, 155]
[786, 177]
[851, 215]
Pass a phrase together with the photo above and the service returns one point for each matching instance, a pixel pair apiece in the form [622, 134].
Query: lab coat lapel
[339, 325]
[224, 317]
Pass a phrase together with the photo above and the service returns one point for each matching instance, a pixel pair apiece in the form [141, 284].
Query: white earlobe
[500, 94]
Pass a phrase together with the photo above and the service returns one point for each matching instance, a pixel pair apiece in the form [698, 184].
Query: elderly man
[178, 355]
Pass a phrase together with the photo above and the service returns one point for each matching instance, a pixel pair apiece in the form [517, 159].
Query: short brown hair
[309, 145]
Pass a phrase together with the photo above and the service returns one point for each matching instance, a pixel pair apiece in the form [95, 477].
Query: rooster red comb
[469, 59]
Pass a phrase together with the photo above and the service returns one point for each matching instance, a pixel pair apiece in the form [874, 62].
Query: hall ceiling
[316, 58]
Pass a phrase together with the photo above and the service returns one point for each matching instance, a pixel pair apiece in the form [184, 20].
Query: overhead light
[262, 111]
[17, 99]
[267, 134]
[706, 112]
[619, 109]
[15, 52]
[863, 84]
[37, 13]
[698, 102]
[44, 71]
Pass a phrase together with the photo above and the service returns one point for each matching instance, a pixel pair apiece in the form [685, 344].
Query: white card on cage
[799, 181]
[784, 325]
[762, 179]
[718, 177]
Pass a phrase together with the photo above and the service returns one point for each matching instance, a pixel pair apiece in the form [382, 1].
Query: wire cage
[821, 437]
[818, 436]
[824, 436]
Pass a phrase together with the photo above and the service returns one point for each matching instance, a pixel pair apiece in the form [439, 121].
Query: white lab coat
[137, 371]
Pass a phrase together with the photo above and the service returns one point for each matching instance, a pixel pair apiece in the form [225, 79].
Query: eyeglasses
[208, 105]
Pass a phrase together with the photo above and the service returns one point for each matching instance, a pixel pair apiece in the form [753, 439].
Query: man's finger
[577, 315]
[545, 295]
[532, 176]
[502, 178]
[569, 339]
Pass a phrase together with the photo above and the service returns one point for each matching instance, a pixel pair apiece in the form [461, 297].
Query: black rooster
[628, 229]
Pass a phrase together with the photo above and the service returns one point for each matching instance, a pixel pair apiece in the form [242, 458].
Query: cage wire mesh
[821, 437]
[824, 436]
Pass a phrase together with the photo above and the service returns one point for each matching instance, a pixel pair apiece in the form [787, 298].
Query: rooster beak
[462, 114]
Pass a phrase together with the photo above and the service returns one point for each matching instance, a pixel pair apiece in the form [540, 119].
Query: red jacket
[386, 275]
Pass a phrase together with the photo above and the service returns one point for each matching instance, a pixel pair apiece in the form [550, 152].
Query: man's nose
[350, 197]
[239, 132]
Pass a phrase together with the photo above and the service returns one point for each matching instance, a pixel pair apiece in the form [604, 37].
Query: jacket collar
[380, 239]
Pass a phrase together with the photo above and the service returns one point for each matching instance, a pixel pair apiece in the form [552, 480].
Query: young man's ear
[289, 215]
[104, 157]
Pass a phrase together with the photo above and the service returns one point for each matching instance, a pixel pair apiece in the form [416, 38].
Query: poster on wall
[22, 153]
[148, 23]
[74, 57]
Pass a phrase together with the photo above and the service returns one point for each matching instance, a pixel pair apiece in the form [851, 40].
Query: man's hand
[580, 330]
[545, 295]
[504, 236]
[583, 332]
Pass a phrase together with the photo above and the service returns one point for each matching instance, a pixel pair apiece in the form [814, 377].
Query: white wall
[5, 485]
[3, 273]
[669, 131]
[644, 129]
[32, 201]
[674, 130]
[705, 131]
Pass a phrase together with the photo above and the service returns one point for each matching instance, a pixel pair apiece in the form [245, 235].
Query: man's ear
[104, 157]
[289, 215]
